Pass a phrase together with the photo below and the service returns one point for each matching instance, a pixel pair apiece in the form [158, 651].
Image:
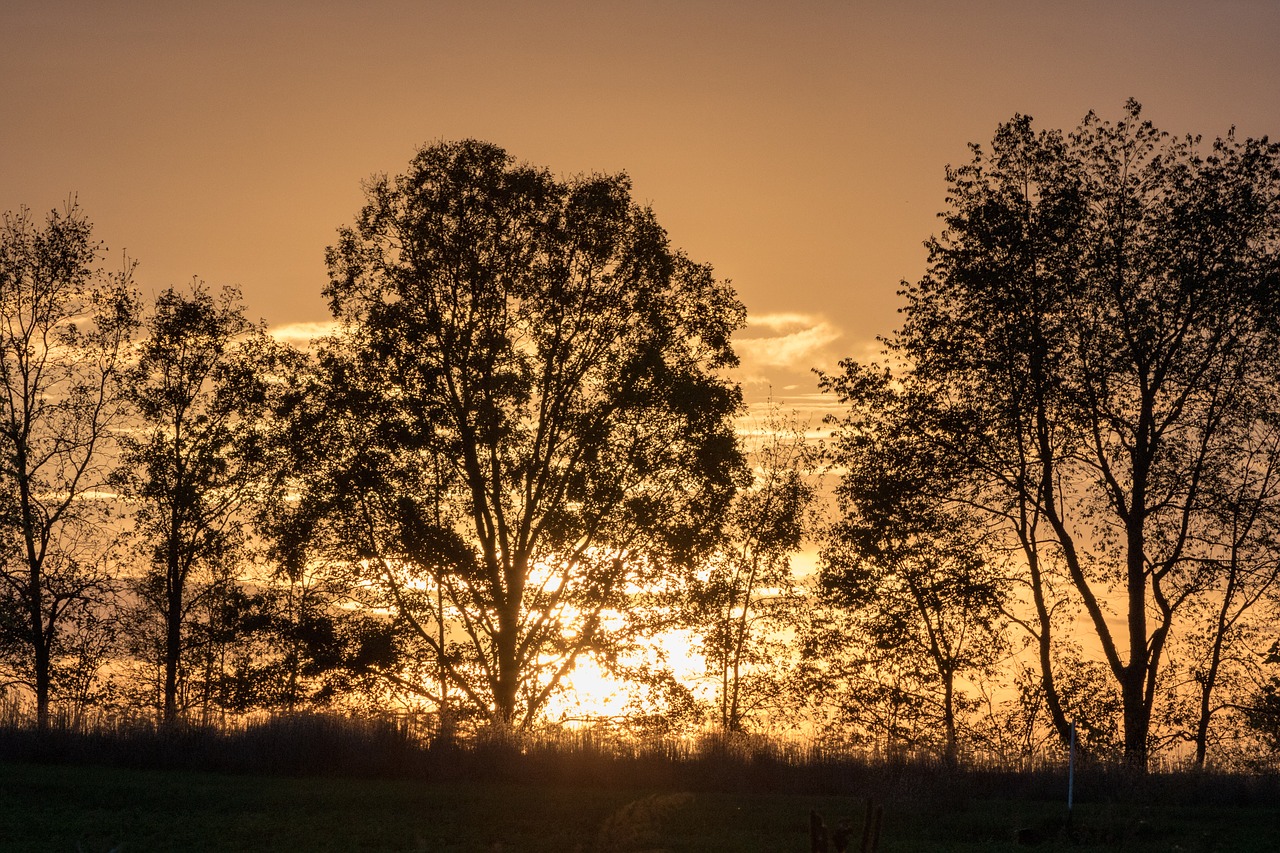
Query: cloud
[302, 334]
[797, 342]
[780, 352]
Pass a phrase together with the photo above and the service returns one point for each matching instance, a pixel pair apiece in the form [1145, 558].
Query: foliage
[746, 603]
[516, 455]
[926, 597]
[65, 326]
[1094, 343]
[1240, 548]
[194, 467]
[279, 647]
[520, 422]
[1261, 705]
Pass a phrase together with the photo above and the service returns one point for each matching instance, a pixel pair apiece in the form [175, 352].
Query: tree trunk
[1133, 679]
[1137, 717]
[1206, 690]
[951, 752]
[734, 686]
[1202, 725]
[43, 681]
[172, 652]
[41, 641]
[1222, 624]
[508, 681]
[1044, 644]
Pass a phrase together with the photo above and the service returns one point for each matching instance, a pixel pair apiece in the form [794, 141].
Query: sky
[799, 148]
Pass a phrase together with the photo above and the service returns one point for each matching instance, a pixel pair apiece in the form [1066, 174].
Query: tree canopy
[65, 326]
[522, 417]
[196, 464]
[1092, 347]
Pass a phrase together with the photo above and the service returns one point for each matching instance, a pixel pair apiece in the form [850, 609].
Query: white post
[1071, 771]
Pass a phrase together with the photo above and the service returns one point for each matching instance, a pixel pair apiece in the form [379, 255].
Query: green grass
[95, 809]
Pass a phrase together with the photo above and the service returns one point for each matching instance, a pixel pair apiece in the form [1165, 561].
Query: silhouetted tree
[202, 387]
[276, 647]
[1094, 341]
[746, 602]
[1239, 545]
[913, 569]
[1260, 706]
[521, 419]
[64, 335]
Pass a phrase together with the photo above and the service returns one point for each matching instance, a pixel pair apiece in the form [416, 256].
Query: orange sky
[797, 147]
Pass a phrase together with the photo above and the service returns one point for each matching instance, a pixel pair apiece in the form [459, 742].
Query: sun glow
[591, 694]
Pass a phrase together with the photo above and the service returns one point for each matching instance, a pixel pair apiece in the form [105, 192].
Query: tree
[1240, 545]
[746, 602]
[1093, 339]
[521, 421]
[913, 569]
[203, 387]
[65, 326]
[1260, 707]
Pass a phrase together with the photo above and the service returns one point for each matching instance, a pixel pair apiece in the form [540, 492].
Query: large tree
[521, 419]
[197, 463]
[1094, 341]
[64, 334]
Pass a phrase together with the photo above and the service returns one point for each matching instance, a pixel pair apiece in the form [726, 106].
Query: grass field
[97, 809]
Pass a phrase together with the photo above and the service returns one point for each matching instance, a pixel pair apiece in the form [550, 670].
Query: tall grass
[333, 745]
